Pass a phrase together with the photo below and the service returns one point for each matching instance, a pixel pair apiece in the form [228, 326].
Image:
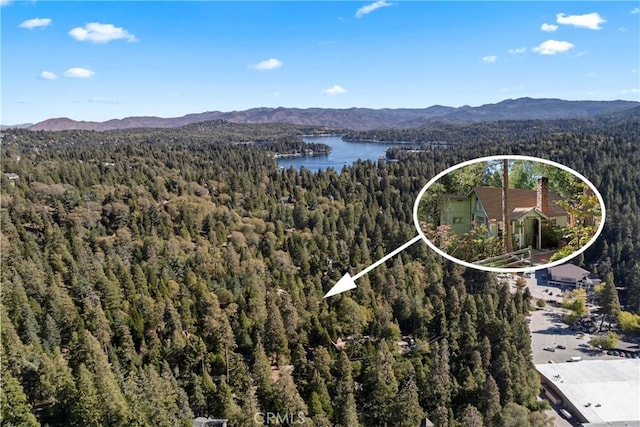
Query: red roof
[491, 199]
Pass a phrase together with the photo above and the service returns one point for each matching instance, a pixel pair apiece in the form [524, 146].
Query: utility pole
[506, 220]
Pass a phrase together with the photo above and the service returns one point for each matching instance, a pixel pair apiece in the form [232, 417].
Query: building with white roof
[596, 392]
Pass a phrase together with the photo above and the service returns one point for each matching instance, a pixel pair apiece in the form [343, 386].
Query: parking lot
[548, 331]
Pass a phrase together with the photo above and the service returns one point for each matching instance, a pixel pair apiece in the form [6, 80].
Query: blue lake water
[343, 153]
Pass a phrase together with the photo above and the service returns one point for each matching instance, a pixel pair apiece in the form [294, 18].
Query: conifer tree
[380, 388]
[345, 414]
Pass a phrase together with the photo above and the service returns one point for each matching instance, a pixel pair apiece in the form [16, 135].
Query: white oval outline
[509, 270]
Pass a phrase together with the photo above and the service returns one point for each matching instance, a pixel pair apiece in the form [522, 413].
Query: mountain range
[364, 118]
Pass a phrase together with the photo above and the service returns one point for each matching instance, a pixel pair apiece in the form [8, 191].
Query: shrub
[606, 342]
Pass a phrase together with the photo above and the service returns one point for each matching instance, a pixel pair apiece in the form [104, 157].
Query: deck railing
[519, 258]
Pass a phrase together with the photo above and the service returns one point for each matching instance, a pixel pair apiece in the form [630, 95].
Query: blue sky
[104, 60]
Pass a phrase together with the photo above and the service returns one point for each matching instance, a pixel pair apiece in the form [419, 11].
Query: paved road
[548, 330]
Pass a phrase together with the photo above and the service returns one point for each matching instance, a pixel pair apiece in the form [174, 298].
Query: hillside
[152, 276]
[365, 118]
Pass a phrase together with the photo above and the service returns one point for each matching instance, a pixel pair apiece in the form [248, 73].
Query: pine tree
[502, 371]
[490, 400]
[606, 296]
[514, 415]
[275, 337]
[320, 396]
[380, 388]
[287, 400]
[407, 408]
[248, 409]
[633, 289]
[261, 373]
[470, 417]
[87, 409]
[344, 402]
[441, 375]
[15, 406]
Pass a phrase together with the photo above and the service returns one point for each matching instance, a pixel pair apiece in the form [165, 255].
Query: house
[529, 211]
[570, 276]
[209, 422]
[13, 177]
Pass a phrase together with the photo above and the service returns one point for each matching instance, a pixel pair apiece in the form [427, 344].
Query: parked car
[549, 348]
[566, 414]
[561, 347]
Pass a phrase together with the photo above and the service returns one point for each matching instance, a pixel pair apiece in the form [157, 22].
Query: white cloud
[267, 64]
[365, 10]
[591, 74]
[549, 28]
[489, 59]
[48, 75]
[636, 10]
[622, 29]
[35, 23]
[591, 21]
[96, 32]
[335, 90]
[517, 50]
[5, 2]
[79, 73]
[634, 71]
[551, 47]
[626, 91]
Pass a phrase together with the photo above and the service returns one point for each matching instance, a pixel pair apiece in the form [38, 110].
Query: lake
[343, 153]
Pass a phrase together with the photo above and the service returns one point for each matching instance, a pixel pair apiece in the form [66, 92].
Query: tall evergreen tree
[345, 414]
[379, 388]
[606, 296]
[407, 408]
[633, 289]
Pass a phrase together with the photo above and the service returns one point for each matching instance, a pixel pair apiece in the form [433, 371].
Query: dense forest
[153, 276]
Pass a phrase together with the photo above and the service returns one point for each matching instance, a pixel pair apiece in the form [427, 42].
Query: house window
[457, 220]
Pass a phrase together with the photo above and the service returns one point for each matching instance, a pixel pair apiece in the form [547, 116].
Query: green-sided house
[529, 211]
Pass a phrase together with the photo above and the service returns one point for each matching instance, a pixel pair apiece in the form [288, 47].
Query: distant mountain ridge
[365, 118]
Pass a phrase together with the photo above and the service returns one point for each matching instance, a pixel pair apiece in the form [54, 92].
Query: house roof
[518, 213]
[568, 270]
[491, 199]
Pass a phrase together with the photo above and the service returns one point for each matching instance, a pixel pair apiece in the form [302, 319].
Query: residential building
[530, 211]
[209, 422]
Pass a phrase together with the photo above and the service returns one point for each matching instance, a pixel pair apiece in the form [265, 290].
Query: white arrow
[347, 282]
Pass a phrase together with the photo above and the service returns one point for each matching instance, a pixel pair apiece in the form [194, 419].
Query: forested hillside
[149, 277]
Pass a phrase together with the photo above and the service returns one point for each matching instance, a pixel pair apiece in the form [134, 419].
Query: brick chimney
[542, 199]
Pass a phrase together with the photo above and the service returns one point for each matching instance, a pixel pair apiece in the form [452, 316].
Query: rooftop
[568, 270]
[491, 198]
[603, 391]
[518, 213]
